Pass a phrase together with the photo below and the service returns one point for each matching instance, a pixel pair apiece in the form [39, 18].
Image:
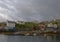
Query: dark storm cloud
[29, 10]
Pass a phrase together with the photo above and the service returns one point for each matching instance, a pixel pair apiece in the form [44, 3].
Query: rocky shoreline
[32, 33]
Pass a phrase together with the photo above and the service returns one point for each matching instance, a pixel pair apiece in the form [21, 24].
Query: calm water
[5, 38]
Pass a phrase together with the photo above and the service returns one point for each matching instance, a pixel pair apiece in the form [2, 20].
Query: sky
[29, 10]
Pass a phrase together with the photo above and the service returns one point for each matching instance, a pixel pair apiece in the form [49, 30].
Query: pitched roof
[11, 21]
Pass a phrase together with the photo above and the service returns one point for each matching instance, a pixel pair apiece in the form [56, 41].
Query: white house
[50, 25]
[11, 24]
[20, 22]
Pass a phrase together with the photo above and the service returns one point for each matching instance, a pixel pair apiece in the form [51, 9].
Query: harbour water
[18, 38]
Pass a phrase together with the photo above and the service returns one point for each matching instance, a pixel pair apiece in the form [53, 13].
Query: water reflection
[3, 38]
[26, 39]
[11, 38]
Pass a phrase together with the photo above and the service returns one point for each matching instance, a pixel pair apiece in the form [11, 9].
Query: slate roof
[11, 21]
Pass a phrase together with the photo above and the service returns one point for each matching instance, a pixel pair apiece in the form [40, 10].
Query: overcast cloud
[29, 10]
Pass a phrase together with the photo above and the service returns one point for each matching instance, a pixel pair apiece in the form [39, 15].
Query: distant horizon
[27, 21]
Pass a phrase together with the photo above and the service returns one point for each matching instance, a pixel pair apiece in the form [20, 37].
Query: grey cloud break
[29, 10]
